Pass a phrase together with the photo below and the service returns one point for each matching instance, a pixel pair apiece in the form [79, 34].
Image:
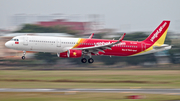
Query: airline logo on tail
[158, 36]
[158, 31]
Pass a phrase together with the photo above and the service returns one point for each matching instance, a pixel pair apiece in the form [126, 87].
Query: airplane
[79, 47]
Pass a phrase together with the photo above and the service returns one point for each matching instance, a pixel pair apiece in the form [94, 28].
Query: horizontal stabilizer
[164, 46]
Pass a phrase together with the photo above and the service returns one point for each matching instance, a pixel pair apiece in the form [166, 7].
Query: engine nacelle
[71, 54]
[63, 55]
[74, 53]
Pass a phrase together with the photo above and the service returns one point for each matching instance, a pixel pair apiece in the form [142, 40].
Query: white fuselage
[42, 43]
[59, 45]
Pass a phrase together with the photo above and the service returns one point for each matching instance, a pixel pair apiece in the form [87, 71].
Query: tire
[23, 57]
[83, 60]
[90, 60]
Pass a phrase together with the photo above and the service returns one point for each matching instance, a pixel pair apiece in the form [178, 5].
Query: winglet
[122, 37]
[90, 37]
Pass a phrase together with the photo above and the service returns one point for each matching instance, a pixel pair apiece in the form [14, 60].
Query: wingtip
[91, 36]
[122, 37]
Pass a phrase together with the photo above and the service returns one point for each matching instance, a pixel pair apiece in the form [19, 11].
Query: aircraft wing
[95, 49]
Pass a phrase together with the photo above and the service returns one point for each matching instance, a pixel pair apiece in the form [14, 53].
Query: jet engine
[71, 53]
[74, 53]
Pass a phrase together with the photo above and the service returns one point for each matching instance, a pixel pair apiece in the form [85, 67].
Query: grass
[90, 79]
[81, 96]
[87, 79]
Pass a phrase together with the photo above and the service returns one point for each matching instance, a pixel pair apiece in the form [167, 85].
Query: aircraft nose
[7, 44]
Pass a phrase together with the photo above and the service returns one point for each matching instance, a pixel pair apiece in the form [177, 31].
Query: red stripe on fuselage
[125, 48]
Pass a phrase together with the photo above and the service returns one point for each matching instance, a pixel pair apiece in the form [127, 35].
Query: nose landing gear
[24, 53]
[23, 57]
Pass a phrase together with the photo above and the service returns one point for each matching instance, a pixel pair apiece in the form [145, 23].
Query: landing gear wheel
[23, 57]
[24, 53]
[90, 60]
[83, 60]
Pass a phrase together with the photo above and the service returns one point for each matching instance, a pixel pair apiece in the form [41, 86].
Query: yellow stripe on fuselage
[79, 41]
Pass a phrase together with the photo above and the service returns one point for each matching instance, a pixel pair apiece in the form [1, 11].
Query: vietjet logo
[106, 43]
[158, 31]
[74, 53]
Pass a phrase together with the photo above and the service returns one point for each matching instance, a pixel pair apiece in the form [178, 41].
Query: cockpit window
[14, 40]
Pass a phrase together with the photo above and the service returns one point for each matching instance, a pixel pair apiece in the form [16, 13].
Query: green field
[90, 79]
[87, 79]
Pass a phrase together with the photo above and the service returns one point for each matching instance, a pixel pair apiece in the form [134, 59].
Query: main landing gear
[24, 53]
[90, 60]
[84, 60]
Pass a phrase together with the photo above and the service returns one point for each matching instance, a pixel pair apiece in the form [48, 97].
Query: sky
[123, 15]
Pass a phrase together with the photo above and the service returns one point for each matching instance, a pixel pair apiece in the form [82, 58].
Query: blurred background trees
[30, 28]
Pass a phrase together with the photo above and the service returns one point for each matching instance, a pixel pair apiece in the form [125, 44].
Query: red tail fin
[159, 34]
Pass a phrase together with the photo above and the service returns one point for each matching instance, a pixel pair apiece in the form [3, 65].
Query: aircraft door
[25, 42]
[143, 46]
[58, 42]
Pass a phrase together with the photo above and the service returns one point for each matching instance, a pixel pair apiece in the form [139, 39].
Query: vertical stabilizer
[159, 34]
